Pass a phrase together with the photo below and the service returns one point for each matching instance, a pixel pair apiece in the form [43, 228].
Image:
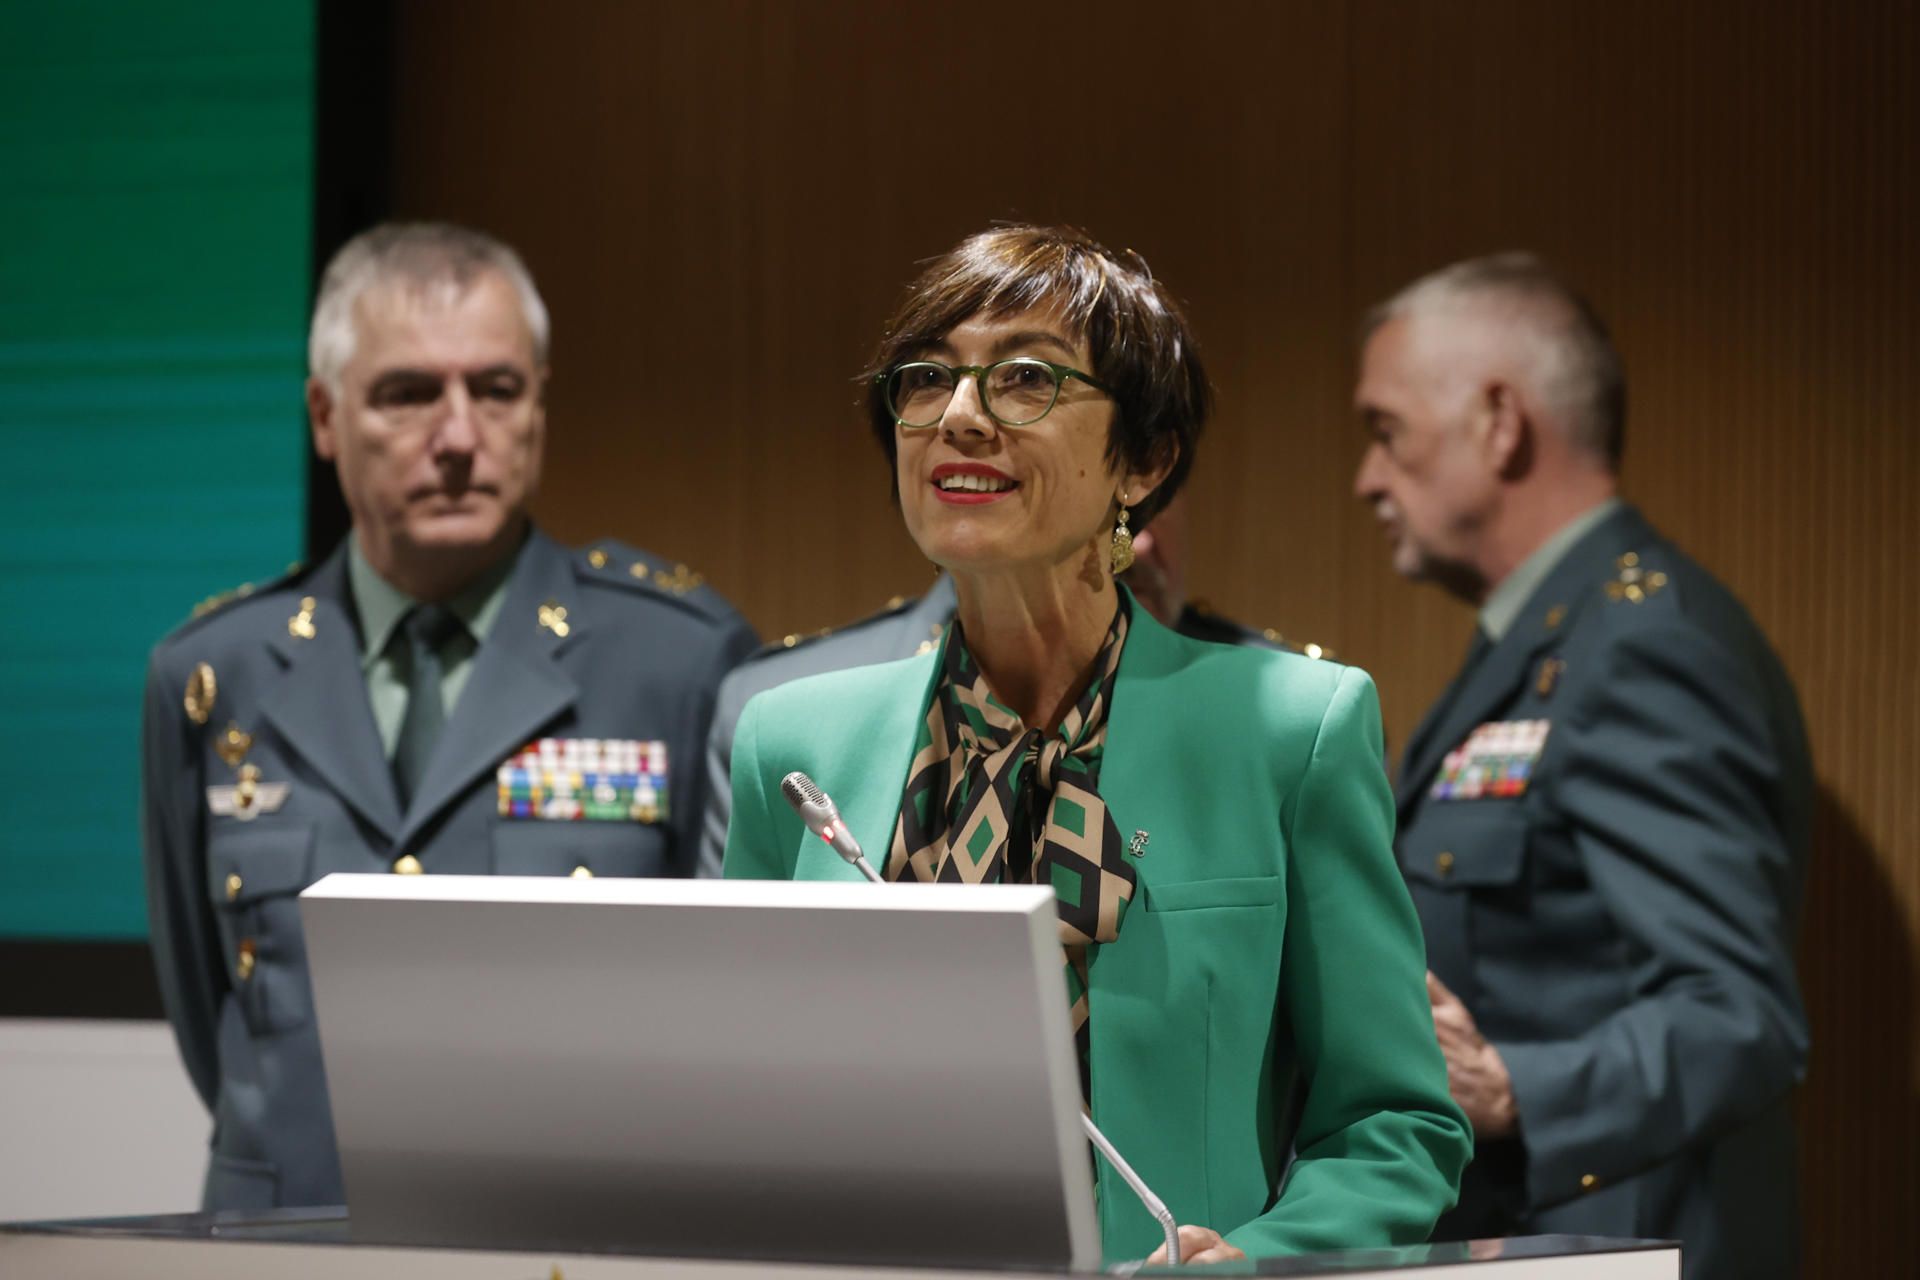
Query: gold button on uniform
[582, 873]
[597, 558]
[233, 887]
[408, 866]
[243, 964]
[1588, 1182]
[1444, 864]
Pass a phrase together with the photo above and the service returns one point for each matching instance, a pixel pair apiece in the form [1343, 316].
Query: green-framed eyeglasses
[1015, 393]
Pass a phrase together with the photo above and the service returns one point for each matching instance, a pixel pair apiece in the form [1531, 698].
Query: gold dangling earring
[1122, 542]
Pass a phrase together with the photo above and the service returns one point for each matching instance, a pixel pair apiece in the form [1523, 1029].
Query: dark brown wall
[722, 199]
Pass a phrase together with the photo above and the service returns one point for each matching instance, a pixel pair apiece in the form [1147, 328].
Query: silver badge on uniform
[248, 798]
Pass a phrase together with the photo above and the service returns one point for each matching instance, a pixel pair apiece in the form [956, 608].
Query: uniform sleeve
[185, 938]
[734, 642]
[718, 809]
[1666, 781]
[1380, 1144]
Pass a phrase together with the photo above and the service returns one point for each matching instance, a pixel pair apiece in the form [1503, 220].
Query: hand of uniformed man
[1476, 1076]
[1198, 1244]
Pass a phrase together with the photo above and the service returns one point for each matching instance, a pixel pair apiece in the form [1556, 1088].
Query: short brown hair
[1140, 345]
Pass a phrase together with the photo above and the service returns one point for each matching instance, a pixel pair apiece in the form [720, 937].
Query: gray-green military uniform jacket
[1604, 824]
[904, 628]
[600, 645]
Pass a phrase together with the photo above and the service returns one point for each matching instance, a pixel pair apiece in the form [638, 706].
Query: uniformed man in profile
[449, 691]
[1604, 821]
[1158, 579]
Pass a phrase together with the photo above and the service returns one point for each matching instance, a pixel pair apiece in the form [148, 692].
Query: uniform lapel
[1548, 614]
[515, 688]
[319, 706]
[1423, 735]
[868, 776]
[1145, 786]
[1134, 782]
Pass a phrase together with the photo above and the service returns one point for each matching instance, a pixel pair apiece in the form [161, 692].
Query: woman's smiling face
[978, 495]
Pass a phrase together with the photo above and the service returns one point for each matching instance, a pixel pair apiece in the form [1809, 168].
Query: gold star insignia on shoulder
[1307, 650]
[680, 581]
[221, 599]
[1634, 584]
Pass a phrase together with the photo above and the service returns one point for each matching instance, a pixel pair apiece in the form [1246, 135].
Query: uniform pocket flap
[569, 848]
[1192, 895]
[259, 862]
[1469, 843]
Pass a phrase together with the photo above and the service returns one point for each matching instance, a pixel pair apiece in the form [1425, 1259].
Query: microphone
[822, 817]
[818, 811]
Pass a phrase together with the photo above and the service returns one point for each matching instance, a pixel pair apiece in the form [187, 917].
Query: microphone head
[803, 793]
[811, 803]
[820, 814]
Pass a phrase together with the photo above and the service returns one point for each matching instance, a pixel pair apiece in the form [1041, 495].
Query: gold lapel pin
[233, 745]
[1549, 676]
[553, 616]
[202, 689]
[1138, 845]
[300, 625]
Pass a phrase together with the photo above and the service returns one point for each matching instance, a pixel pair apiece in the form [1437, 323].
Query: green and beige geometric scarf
[990, 801]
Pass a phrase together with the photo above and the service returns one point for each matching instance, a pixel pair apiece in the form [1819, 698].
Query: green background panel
[156, 216]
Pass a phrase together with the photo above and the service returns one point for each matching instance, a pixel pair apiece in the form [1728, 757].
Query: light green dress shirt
[1506, 601]
[382, 605]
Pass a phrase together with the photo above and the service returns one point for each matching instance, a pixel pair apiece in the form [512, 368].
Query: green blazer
[1270, 936]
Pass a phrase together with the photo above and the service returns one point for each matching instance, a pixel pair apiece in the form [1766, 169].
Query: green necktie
[427, 628]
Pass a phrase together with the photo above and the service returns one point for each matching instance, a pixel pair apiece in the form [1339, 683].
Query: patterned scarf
[990, 801]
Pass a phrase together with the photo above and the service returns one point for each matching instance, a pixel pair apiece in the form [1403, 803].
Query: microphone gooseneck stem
[866, 869]
[1153, 1202]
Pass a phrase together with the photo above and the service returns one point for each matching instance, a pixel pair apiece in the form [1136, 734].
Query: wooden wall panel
[722, 200]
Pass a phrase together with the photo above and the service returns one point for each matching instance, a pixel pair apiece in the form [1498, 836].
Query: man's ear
[320, 418]
[1508, 436]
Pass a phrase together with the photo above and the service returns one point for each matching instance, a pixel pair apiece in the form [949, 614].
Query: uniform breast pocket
[255, 877]
[1467, 844]
[1198, 895]
[1221, 935]
[581, 848]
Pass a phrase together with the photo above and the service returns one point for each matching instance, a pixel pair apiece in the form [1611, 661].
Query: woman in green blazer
[1214, 820]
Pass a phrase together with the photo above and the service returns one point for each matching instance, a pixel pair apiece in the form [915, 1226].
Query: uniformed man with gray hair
[1604, 820]
[449, 691]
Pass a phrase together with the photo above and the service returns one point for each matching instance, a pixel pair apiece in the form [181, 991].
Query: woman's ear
[1137, 485]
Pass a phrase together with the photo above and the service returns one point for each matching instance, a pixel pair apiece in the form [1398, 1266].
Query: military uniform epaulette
[1633, 582]
[615, 564]
[800, 640]
[1212, 626]
[219, 602]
